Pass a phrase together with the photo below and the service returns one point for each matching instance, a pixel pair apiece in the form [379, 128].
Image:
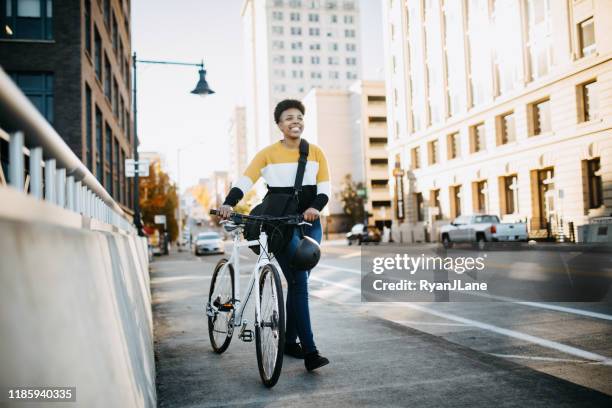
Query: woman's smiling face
[291, 123]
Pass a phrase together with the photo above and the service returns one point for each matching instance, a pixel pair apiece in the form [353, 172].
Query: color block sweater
[277, 164]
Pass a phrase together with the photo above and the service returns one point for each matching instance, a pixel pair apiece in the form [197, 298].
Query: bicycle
[225, 310]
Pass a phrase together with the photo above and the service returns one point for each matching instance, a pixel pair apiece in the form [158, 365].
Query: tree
[158, 197]
[353, 200]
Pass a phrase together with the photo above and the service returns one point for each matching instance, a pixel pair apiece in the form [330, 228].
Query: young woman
[277, 164]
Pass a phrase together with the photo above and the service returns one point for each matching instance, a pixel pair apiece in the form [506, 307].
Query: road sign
[131, 167]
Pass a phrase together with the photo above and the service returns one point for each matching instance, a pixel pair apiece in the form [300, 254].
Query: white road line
[574, 351]
[565, 309]
[339, 268]
[351, 255]
[559, 360]
[571, 310]
[406, 322]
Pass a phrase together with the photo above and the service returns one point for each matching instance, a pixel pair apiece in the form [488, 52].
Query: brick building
[72, 59]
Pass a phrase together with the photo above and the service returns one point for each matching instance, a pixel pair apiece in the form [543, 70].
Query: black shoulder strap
[299, 176]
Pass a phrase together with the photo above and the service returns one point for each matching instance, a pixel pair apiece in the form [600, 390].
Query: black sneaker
[314, 360]
[294, 350]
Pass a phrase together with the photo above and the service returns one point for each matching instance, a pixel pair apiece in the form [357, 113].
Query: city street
[391, 354]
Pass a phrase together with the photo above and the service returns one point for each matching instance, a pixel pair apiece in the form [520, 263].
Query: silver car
[209, 243]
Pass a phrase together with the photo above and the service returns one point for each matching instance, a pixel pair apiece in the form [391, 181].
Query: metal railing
[56, 174]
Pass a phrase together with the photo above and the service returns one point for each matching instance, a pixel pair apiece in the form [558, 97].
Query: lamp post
[201, 89]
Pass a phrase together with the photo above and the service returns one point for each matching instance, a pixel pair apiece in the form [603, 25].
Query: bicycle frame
[234, 260]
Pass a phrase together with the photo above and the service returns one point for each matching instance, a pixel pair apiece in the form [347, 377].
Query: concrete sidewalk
[373, 362]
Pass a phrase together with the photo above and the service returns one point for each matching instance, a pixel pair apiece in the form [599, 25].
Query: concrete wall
[76, 306]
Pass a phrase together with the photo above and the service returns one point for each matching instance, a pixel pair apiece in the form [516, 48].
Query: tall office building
[292, 46]
[72, 59]
[350, 126]
[499, 106]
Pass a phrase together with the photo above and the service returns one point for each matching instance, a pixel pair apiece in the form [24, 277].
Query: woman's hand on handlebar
[311, 214]
[225, 211]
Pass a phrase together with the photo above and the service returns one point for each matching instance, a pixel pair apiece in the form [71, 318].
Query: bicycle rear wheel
[220, 307]
[270, 333]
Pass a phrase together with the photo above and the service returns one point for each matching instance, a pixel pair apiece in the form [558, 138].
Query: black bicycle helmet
[307, 254]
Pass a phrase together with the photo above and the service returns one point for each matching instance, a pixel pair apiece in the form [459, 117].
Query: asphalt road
[384, 354]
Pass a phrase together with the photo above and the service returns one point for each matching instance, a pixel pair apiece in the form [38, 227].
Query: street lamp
[201, 89]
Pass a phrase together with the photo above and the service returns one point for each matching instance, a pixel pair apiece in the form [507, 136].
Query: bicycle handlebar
[238, 218]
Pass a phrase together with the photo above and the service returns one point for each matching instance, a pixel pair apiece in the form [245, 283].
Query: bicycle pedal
[246, 335]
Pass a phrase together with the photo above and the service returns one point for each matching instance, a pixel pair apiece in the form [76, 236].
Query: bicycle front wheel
[270, 332]
[220, 307]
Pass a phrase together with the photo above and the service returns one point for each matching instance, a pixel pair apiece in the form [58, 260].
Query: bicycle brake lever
[305, 223]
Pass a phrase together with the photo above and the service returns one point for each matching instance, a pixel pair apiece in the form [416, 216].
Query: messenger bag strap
[299, 176]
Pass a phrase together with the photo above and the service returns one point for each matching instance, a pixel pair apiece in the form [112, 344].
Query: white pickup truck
[480, 229]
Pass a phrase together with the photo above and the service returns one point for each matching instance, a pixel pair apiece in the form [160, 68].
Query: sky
[193, 129]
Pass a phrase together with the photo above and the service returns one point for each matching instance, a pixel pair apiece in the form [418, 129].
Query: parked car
[362, 235]
[481, 229]
[209, 243]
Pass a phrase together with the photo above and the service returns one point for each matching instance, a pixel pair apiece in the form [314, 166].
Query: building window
[277, 15]
[455, 200]
[278, 45]
[333, 19]
[333, 60]
[297, 59]
[115, 170]
[349, 33]
[296, 45]
[477, 138]
[453, 143]
[433, 50]
[315, 75]
[453, 43]
[294, 16]
[434, 202]
[594, 184]
[351, 47]
[88, 124]
[87, 13]
[479, 192]
[295, 3]
[38, 87]
[315, 60]
[296, 31]
[351, 75]
[507, 45]
[115, 33]
[277, 30]
[479, 51]
[26, 19]
[586, 37]
[418, 202]
[432, 148]
[313, 18]
[108, 158]
[351, 61]
[334, 75]
[415, 155]
[115, 103]
[539, 42]
[348, 20]
[98, 54]
[98, 153]
[506, 129]
[279, 73]
[297, 74]
[540, 117]
[107, 77]
[315, 47]
[588, 102]
[314, 31]
[509, 196]
[278, 59]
